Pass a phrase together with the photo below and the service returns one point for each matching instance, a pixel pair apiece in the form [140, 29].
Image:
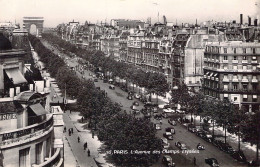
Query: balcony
[234, 80]
[225, 80]
[254, 61]
[235, 61]
[55, 160]
[225, 61]
[244, 80]
[254, 80]
[26, 134]
[244, 61]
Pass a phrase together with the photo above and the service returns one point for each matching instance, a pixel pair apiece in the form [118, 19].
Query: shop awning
[15, 75]
[38, 109]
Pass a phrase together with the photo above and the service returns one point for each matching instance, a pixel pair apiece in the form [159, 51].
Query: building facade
[232, 72]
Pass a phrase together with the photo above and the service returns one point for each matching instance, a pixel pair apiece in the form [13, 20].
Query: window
[39, 154]
[244, 50]
[244, 57]
[225, 50]
[244, 67]
[235, 58]
[244, 86]
[235, 67]
[235, 86]
[225, 67]
[253, 50]
[225, 57]
[254, 86]
[225, 87]
[235, 51]
[24, 157]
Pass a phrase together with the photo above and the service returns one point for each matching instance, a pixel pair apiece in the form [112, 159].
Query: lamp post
[1, 159]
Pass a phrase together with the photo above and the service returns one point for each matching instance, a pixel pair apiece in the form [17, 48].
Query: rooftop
[235, 44]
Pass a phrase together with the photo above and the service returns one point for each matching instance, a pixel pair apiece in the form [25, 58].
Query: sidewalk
[86, 136]
[232, 139]
[69, 158]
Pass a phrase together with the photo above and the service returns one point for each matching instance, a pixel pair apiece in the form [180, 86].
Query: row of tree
[117, 129]
[153, 82]
[222, 113]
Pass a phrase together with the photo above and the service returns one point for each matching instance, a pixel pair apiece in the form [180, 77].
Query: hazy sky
[63, 11]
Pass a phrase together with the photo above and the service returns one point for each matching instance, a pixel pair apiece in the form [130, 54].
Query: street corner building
[30, 129]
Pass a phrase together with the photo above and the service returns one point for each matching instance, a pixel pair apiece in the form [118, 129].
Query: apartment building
[232, 71]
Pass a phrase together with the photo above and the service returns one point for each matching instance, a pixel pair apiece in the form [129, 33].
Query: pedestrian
[85, 146]
[93, 134]
[88, 152]
[72, 130]
[194, 161]
[69, 132]
[160, 121]
[64, 129]
[78, 139]
[82, 119]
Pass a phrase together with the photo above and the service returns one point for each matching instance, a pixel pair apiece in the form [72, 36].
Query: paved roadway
[191, 140]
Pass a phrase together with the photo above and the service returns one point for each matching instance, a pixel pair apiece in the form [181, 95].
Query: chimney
[255, 22]
[249, 21]
[241, 19]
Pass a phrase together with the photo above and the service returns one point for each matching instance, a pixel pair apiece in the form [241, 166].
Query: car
[158, 116]
[90, 74]
[112, 87]
[168, 110]
[212, 162]
[168, 135]
[129, 97]
[110, 81]
[137, 96]
[180, 145]
[164, 140]
[155, 109]
[172, 122]
[164, 115]
[191, 128]
[135, 103]
[170, 129]
[105, 80]
[167, 160]
[95, 80]
[239, 156]
[158, 127]
[180, 111]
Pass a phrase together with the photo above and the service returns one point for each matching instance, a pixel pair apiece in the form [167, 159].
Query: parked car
[137, 96]
[172, 122]
[110, 81]
[164, 115]
[105, 80]
[158, 127]
[95, 80]
[170, 129]
[136, 103]
[180, 145]
[155, 109]
[168, 110]
[191, 128]
[168, 135]
[157, 116]
[112, 87]
[212, 162]
[239, 156]
[180, 111]
[167, 160]
[129, 97]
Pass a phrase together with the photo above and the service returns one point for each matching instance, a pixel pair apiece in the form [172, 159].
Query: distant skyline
[184, 11]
